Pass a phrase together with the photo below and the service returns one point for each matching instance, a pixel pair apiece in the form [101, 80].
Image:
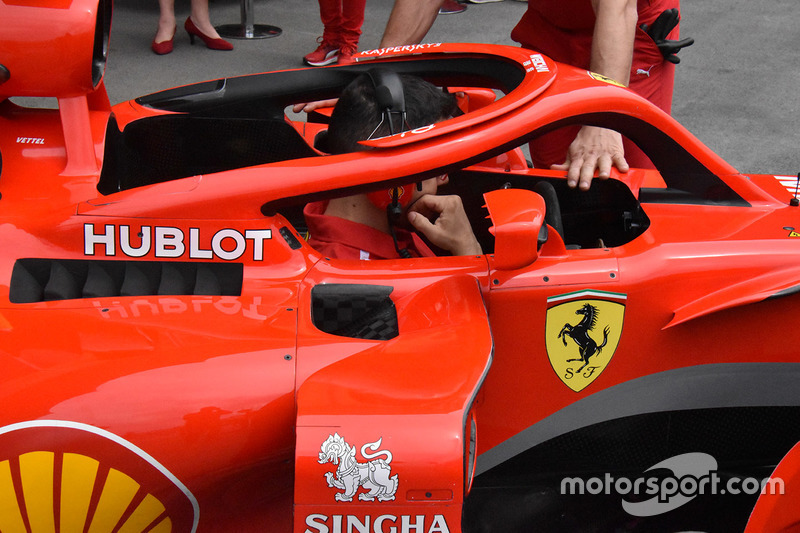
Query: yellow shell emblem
[88, 480]
[79, 477]
[582, 332]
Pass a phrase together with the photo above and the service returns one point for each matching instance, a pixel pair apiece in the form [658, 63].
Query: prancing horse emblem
[580, 334]
[580, 362]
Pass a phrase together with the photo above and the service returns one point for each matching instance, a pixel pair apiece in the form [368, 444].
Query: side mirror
[517, 225]
[55, 49]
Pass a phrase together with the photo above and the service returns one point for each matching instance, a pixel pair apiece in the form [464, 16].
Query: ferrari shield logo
[582, 333]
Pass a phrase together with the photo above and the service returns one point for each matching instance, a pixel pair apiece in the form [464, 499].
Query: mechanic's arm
[410, 21]
[612, 54]
[450, 229]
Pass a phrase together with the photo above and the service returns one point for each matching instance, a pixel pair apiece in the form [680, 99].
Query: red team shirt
[339, 238]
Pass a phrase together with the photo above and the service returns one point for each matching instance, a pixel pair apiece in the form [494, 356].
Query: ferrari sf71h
[175, 356]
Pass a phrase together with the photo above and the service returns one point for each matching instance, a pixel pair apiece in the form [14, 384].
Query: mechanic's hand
[308, 107]
[593, 148]
[450, 229]
[659, 30]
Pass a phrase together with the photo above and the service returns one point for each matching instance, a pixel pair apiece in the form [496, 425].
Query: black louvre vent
[41, 280]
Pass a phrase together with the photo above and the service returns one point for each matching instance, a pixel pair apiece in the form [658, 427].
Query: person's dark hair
[356, 115]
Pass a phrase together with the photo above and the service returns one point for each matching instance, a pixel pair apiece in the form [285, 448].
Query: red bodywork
[168, 356]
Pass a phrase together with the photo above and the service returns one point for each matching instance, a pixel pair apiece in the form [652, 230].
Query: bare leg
[202, 19]
[166, 21]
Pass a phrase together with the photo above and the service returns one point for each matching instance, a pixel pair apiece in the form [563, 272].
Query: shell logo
[71, 477]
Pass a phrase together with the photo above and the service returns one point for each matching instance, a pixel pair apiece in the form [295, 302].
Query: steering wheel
[553, 209]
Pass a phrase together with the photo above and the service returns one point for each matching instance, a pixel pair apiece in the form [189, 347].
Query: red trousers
[342, 20]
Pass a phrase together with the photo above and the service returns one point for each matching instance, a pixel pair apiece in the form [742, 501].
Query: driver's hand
[450, 229]
[593, 149]
[308, 107]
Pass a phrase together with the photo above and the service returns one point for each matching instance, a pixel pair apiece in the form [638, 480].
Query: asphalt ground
[737, 88]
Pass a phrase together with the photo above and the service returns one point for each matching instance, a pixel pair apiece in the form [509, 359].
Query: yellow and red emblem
[582, 333]
[606, 79]
[88, 480]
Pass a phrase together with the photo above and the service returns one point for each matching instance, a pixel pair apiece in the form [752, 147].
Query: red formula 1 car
[174, 356]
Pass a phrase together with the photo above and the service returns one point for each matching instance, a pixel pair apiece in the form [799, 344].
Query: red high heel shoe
[164, 47]
[214, 44]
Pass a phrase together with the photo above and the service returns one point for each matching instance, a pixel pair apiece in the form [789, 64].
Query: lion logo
[373, 476]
